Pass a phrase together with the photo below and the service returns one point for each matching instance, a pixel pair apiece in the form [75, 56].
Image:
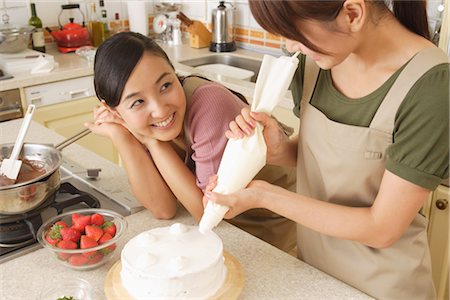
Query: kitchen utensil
[199, 35]
[72, 35]
[27, 195]
[14, 39]
[159, 23]
[11, 166]
[222, 29]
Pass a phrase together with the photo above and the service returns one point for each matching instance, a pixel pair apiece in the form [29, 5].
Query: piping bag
[244, 158]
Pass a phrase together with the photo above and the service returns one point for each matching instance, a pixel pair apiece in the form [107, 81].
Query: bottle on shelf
[37, 36]
[96, 27]
[116, 25]
[104, 18]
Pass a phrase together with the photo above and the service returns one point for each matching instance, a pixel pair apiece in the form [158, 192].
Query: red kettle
[72, 35]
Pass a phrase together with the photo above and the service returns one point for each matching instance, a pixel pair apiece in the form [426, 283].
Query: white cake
[173, 262]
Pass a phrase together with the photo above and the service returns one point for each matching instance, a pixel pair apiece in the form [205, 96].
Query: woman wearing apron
[373, 103]
[170, 133]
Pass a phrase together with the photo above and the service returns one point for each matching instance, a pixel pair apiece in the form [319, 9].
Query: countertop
[70, 66]
[268, 272]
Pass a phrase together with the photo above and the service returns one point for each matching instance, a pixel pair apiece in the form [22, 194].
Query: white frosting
[175, 262]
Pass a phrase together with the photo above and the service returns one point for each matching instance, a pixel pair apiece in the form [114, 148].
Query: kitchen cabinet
[67, 119]
[437, 210]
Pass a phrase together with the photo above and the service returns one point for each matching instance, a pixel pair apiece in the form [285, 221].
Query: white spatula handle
[23, 130]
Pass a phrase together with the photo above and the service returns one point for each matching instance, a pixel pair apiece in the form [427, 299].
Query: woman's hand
[245, 123]
[239, 201]
[106, 123]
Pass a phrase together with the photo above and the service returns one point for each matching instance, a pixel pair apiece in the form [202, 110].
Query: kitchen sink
[249, 64]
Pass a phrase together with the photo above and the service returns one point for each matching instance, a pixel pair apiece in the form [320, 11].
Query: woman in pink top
[170, 132]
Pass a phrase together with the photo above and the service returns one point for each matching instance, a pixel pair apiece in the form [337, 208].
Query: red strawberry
[61, 223]
[88, 242]
[97, 219]
[78, 260]
[66, 244]
[79, 222]
[94, 232]
[55, 230]
[51, 241]
[95, 259]
[70, 234]
[109, 227]
[106, 237]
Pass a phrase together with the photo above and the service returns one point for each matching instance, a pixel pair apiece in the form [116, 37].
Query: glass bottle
[116, 25]
[104, 19]
[37, 40]
[96, 27]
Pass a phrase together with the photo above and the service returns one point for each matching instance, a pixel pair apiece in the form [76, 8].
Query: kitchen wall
[248, 33]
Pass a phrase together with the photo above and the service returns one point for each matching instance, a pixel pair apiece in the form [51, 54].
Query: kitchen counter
[268, 272]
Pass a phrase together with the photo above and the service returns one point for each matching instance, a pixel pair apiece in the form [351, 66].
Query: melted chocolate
[29, 170]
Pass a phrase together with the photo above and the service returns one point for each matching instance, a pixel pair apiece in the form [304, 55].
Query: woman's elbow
[164, 215]
[382, 241]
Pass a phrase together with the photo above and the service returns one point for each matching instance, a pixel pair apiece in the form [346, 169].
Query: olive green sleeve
[420, 149]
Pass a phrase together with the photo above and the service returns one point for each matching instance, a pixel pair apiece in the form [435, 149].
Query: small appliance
[72, 35]
[222, 29]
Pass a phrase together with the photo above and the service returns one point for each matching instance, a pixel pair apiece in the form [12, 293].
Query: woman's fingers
[209, 187]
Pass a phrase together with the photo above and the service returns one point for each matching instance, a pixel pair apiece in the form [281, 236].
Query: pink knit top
[212, 107]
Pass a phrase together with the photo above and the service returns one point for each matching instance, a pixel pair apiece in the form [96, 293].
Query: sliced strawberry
[70, 234]
[94, 232]
[95, 258]
[51, 241]
[97, 219]
[78, 260]
[79, 222]
[88, 242]
[64, 256]
[106, 237]
[62, 223]
[109, 227]
[55, 231]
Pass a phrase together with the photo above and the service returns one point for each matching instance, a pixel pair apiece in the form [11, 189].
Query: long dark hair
[116, 58]
[280, 17]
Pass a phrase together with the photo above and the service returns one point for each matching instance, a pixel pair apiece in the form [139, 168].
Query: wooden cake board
[230, 290]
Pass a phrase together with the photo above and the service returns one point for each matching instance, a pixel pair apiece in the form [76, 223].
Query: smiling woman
[170, 132]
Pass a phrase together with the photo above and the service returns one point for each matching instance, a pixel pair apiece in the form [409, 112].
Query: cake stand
[230, 290]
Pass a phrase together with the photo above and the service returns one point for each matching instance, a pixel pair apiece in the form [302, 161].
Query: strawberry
[66, 244]
[95, 258]
[88, 242]
[62, 223]
[55, 230]
[97, 219]
[94, 232]
[70, 233]
[106, 237]
[51, 241]
[78, 260]
[109, 227]
[79, 222]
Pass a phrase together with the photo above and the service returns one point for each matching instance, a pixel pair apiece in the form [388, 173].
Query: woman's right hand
[245, 123]
[106, 123]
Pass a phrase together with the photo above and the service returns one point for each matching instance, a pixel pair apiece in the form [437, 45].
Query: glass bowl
[76, 288]
[88, 52]
[88, 258]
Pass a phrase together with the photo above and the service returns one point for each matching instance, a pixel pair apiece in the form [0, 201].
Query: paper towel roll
[137, 16]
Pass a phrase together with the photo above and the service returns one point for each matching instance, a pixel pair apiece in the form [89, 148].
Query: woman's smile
[166, 123]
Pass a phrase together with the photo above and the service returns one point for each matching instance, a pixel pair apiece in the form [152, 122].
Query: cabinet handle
[441, 204]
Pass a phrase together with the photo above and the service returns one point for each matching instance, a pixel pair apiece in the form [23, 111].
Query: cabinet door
[438, 238]
[68, 118]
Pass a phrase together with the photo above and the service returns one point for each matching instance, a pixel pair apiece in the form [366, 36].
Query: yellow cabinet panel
[437, 210]
[68, 118]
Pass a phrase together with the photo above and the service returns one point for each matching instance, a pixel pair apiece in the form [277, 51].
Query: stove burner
[20, 230]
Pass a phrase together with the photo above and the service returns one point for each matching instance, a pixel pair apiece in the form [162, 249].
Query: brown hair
[280, 16]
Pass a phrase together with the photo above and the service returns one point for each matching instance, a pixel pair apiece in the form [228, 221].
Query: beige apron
[344, 164]
[262, 223]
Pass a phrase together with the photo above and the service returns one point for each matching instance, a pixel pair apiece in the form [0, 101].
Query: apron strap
[422, 62]
[309, 79]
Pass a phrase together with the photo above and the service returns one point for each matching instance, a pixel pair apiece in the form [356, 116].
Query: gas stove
[77, 190]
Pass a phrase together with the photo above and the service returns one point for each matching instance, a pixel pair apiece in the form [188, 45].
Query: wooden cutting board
[230, 290]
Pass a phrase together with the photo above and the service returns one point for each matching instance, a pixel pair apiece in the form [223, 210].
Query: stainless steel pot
[14, 39]
[25, 196]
